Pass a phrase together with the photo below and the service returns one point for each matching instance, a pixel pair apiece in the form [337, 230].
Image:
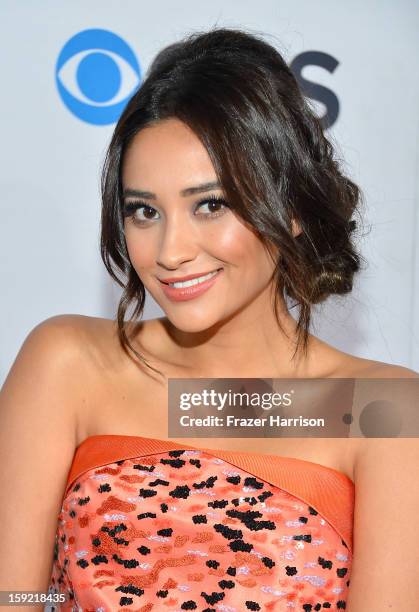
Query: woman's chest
[141, 408]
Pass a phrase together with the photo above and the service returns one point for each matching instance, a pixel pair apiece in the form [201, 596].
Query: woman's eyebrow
[184, 192]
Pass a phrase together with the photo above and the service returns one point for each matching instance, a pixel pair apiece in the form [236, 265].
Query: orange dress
[150, 525]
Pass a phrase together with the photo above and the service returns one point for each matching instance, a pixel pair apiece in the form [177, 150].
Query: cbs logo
[96, 74]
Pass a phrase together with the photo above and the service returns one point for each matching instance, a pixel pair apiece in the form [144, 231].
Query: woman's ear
[296, 228]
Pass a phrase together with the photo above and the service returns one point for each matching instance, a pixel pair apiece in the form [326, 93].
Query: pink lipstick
[191, 291]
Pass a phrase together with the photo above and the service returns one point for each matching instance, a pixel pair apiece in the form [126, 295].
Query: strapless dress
[150, 525]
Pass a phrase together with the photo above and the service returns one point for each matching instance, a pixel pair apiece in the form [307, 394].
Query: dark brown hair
[271, 156]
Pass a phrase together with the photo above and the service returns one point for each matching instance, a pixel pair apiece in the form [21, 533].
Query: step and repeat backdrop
[68, 69]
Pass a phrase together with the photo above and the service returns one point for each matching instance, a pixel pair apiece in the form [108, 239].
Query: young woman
[217, 171]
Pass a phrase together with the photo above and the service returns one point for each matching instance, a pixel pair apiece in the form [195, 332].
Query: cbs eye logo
[96, 74]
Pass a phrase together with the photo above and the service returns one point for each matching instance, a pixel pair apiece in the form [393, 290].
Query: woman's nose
[178, 243]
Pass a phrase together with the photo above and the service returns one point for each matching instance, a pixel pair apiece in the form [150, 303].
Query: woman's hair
[274, 163]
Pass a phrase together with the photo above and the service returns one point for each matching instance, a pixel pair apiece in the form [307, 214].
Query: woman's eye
[215, 206]
[142, 214]
[131, 209]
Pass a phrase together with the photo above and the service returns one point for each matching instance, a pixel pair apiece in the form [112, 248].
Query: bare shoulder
[334, 363]
[66, 329]
[97, 338]
[351, 366]
[92, 339]
[100, 361]
[74, 328]
[379, 369]
[358, 367]
[113, 380]
[53, 342]
[55, 358]
[103, 355]
[75, 350]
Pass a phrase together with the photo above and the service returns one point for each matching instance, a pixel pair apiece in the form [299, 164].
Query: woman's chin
[190, 322]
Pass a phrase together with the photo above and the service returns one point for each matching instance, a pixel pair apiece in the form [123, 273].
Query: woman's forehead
[168, 152]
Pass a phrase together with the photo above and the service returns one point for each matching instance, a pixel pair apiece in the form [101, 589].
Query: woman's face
[173, 231]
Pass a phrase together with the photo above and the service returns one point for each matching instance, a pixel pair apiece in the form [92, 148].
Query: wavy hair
[270, 154]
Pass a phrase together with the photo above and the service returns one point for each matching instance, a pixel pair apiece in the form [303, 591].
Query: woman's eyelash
[131, 207]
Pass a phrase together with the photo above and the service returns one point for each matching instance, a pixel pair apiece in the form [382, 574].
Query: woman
[218, 171]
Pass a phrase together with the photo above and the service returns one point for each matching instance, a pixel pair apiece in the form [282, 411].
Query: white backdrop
[50, 158]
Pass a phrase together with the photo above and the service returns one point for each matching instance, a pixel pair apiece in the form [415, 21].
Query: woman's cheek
[140, 252]
[232, 242]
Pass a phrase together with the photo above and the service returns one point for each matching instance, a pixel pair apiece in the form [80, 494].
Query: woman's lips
[182, 294]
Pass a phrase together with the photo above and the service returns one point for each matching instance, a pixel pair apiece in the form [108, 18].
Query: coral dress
[150, 525]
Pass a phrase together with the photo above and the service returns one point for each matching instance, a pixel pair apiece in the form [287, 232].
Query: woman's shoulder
[63, 334]
[95, 340]
[328, 361]
[72, 324]
[88, 333]
[339, 364]
[75, 333]
[359, 367]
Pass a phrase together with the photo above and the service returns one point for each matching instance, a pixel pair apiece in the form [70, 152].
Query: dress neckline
[216, 451]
